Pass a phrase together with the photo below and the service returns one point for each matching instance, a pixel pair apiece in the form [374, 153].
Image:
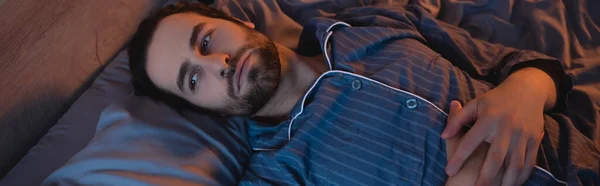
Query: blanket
[544, 26]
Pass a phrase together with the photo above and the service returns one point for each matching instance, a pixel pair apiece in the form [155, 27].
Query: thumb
[458, 117]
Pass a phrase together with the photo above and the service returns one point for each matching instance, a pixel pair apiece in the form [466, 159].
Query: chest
[358, 131]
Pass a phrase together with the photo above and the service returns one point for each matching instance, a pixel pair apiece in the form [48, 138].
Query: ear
[247, 23]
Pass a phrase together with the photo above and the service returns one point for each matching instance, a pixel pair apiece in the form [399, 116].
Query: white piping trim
[393, 88]
[263, 149]
[313, 86]
[303, 100]
[325, 44]
[320, 77]
[335, 24]
[369, 79]
[548, 172]
[325, 52]
[355, 75]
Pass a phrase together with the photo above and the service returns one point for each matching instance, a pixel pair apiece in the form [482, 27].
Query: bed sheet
[143, 142]
[566, 30]
[286, 16]
[78, 125]
[533, 25]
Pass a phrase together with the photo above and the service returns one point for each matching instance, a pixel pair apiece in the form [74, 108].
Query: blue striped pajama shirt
[376, 116]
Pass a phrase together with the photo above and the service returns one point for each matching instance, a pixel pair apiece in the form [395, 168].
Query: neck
[298, 73]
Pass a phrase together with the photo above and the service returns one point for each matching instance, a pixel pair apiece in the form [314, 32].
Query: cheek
[211, 93]
[230, 40]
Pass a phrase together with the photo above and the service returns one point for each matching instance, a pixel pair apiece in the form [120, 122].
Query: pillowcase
[144, 142]
[76, 127]
[279, 20]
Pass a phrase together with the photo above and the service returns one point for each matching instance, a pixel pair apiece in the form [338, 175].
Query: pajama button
[356, 84]
[411, 103]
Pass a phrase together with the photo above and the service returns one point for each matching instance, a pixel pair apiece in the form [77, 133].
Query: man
[363, 99]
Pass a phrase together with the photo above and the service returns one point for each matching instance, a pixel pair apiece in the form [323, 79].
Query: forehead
[170, 47]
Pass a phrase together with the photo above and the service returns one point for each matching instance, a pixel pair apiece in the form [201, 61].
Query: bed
[44, 127]
[50, 52]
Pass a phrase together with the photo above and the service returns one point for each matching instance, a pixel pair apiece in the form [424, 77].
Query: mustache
[235, 60]
[237, 57]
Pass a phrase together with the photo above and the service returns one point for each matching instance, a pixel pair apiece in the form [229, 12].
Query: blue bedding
[142, 142]
[134, 146]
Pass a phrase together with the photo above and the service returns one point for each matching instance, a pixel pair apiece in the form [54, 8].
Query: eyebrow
[186, 63]
[194, 36]
[182, 71]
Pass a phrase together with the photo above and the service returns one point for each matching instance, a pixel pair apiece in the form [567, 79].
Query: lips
[239, 69]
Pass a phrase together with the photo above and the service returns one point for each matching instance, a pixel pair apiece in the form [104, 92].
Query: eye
[193, 80]
[205, 42]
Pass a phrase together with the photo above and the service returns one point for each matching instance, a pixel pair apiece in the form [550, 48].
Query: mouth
[240, 68]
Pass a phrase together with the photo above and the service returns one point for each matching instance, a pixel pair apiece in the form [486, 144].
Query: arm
[493, 63]
[510, 116]
[480, 59]
[539, 83]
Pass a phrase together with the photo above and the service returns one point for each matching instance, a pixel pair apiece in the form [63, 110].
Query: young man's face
[213, 63]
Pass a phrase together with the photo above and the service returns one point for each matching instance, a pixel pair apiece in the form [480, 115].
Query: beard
[263, 78]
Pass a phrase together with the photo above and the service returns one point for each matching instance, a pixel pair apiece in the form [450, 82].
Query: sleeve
[480, 59]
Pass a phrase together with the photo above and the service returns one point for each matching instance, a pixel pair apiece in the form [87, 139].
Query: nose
[218, 64]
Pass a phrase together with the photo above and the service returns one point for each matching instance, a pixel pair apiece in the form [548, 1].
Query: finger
[494, 158]
[451, 145]
[530, 159]
[460, 117]
[468, 144]
[498, 179]
[455, 108]
[516, 160]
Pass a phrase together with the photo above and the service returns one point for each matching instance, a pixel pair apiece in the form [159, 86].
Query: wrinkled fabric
[376, 116]
[583, 97]
[134, 145]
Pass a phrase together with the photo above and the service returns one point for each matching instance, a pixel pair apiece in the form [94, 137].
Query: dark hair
[138, 50]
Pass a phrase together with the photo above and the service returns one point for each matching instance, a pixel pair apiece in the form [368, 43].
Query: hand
[470, 170]
[510, 117]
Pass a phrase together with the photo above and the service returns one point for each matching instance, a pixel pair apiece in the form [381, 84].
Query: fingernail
[455, 103]
[444, 135]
